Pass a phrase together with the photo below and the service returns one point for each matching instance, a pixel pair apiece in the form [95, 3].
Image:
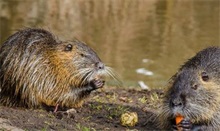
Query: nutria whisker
[113, 74]
[87, 76]
[82, 72]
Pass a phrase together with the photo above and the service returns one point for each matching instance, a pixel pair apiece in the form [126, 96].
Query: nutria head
[78, 60]
[194, 90]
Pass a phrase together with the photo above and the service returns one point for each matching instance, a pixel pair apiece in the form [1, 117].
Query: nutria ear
[68, 47]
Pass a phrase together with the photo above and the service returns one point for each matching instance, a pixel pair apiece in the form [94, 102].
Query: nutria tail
[38, 69]
[194, 93]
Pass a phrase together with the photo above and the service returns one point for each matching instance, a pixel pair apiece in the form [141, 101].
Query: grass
[143, 99]
[115, 112]
[83, 128]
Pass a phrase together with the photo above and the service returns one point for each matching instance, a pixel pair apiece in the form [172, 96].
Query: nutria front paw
[184, 125]
[96, 84]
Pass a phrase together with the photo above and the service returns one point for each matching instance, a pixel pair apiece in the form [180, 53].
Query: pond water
[145, 41]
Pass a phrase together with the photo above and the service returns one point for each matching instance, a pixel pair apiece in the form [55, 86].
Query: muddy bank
[102, 111]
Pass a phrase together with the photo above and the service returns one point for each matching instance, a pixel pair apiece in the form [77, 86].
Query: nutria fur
[194, 93]
[38, 69]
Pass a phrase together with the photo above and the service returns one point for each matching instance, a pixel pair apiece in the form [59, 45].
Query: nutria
[37, 69]
[194, 93]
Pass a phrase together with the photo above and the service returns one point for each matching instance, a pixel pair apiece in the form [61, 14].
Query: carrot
[179, 118]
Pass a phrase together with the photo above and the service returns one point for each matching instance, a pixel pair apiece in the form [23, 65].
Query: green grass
[83, 128]
[115, 112]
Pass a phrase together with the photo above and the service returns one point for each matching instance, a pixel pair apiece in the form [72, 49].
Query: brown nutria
[194, 94]
[36, 69]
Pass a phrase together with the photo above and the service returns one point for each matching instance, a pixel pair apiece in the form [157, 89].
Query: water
[145, 41]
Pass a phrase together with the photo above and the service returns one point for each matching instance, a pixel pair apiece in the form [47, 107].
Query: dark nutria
[36, 69]
[194, 94]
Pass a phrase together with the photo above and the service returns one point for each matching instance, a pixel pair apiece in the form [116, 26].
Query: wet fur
[201, 105]
[36, 70]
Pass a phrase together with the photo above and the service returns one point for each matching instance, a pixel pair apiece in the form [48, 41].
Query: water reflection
[125, 33]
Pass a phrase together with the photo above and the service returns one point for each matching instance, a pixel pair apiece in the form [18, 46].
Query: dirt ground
[102, 111]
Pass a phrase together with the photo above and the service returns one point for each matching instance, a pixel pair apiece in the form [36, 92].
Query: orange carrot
[179, 118]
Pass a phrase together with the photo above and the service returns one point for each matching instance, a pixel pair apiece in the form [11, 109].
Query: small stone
[71, 113]
[124, 99]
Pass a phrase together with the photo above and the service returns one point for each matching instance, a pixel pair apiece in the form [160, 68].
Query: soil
[101, 111]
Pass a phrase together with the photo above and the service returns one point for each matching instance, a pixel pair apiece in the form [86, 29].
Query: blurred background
[145, 41]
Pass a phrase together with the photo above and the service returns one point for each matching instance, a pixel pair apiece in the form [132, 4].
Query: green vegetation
[83, 128]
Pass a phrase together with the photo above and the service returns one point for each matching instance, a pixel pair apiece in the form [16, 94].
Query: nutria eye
[205, 76]
[82, 55]
[69, 47]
